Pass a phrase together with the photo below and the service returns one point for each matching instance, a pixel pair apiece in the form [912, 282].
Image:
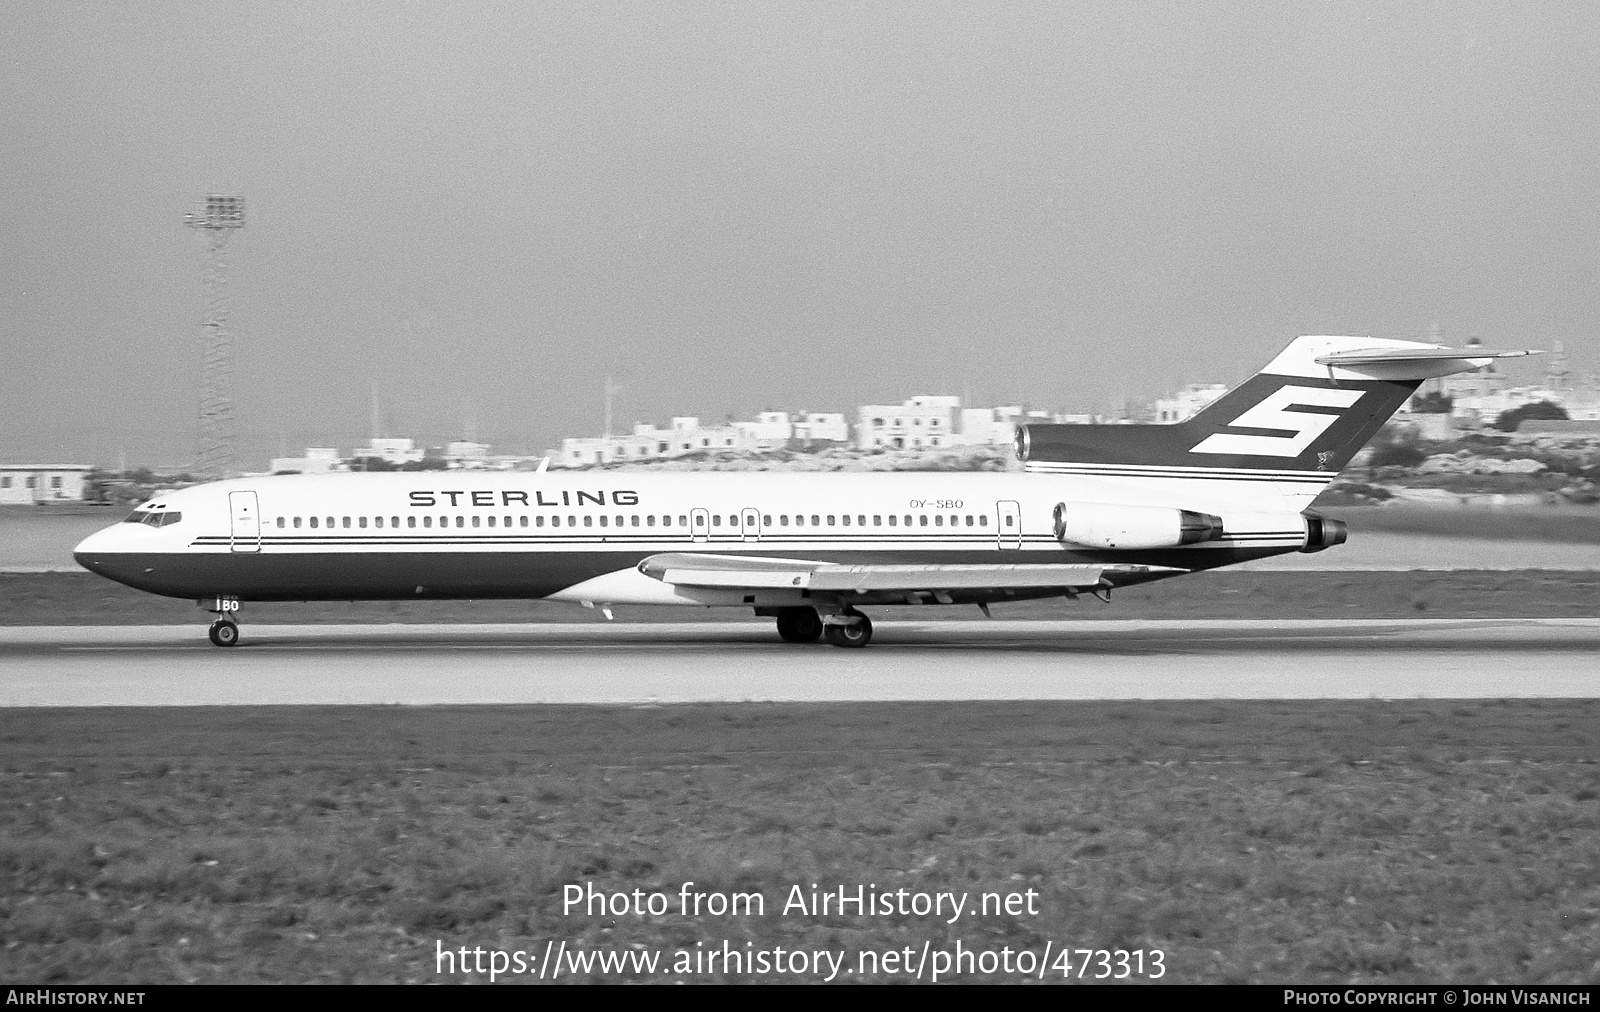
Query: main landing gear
[855, 633]
[224, 632]
[799, 625]
[848, 628]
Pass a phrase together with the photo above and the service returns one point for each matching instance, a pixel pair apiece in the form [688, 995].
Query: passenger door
[750, 524]
[246, 521]
[699, 524]
[1008, 524]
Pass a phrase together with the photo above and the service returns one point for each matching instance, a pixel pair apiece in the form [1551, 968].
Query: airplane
[1096, 507]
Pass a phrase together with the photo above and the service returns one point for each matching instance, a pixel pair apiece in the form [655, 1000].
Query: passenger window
[877, 519]
[893, 519]
[861, 520]
[814, 519]
[361, 522]
[313, 521]
[1008, 521]
[924, 519]
[395, 522]
[330, 521]
[411, 521]
[427, 521]
[908, 520]
[602, 521]
[783, 519]
[650, 521]
[346, 522]
[462, 521]
[699, 521]
[635, 520]
[538, 521]
[297, 523]
[523, 519]
[846, 519]
[983, 519]
[830, 520]
[716, 519]
[619, 521]
[572, 521]
[683, 520]
[938, 520]
[799, 520]
[969, 519]
[733, 520]
[766, 521]
[588, 521]
[280, 522]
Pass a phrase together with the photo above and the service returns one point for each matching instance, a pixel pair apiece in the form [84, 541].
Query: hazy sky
[738, 206]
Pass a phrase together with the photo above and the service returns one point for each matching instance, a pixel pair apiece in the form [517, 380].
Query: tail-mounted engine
[1322, 532]
[1104, 525]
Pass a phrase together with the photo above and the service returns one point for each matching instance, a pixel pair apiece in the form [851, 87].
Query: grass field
[1309, 841]
[1320, 842]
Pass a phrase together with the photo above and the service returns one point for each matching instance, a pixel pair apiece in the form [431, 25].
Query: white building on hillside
[317, 460]
[1188, 402]
[770, 430]
[394, 451]
[646, 442]
[922, 422]
[821, 427]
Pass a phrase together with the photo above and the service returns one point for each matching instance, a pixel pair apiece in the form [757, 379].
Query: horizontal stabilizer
[1360, 357]
[1414, 363]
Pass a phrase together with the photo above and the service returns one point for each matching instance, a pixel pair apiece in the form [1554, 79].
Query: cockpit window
[155, 518]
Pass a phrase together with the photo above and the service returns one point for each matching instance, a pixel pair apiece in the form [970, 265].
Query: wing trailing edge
[731, 572]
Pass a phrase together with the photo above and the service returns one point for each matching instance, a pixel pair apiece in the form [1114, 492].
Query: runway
[661, 663]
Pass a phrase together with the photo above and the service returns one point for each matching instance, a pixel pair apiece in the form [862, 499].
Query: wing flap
[727, 571]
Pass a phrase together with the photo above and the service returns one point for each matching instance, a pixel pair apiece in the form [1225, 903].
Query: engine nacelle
[1107, 525]
[1322, 532]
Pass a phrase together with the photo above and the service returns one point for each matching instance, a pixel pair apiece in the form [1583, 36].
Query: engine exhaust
[1321, 532]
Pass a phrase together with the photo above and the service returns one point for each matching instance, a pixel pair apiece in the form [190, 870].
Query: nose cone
[92, 550]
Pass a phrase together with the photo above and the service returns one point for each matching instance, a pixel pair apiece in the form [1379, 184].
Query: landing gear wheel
[225, 633]
[858, 635]
[799, 625]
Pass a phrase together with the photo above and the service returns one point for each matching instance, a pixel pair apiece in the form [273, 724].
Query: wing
[900, 581]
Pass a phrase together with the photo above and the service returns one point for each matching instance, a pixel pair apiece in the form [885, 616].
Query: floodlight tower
[214, 440]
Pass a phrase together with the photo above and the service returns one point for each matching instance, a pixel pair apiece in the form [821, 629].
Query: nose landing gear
[224, 632]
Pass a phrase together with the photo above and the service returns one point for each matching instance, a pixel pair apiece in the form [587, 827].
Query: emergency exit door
[246, 522]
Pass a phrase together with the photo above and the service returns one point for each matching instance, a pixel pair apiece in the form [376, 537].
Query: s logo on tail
[1272, 413]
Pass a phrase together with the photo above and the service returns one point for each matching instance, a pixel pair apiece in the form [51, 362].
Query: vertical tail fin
[1294, 425]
